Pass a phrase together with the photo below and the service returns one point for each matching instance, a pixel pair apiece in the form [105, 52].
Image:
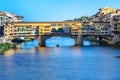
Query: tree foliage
[82, 19]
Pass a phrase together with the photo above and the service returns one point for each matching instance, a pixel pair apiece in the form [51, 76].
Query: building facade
[33, 29]
[103, 15]
[107, 18]
[115, 21]
[104, 22]
[9, 17]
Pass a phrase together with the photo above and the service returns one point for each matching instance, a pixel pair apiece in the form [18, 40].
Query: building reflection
[43, 51]
[9, 52]
[76, 51]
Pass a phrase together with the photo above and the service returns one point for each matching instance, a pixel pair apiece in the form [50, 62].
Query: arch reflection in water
[61, 41]
[28, 45]
[86, 43]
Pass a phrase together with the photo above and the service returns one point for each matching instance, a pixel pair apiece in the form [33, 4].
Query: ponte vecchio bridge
[46, 30]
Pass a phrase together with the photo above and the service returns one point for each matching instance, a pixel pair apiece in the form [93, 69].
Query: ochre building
[33, 29]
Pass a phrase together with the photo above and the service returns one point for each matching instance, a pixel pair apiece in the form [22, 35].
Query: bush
[6, 46]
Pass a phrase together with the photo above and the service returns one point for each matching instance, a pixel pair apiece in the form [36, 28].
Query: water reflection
[29, 45]
[86, 43]
[68, 63]
[61, 41]
[9, 52]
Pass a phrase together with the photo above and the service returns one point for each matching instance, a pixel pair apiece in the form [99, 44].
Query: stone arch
[60, 30]
[53, 30]
[78, 39]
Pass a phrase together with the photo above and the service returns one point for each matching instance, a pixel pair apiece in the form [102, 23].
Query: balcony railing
[96, 32]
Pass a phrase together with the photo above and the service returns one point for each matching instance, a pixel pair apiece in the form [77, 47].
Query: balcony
[96, 32]
[74, 33]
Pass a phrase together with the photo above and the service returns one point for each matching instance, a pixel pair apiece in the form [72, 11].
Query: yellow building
[115, 21]
[106, 10]
[107, 17]
[33, 29]
[104, 14]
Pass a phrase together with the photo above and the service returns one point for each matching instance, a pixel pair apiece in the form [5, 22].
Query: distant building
[115, 21]
[103, 15]
[107, 17]
[9, 17]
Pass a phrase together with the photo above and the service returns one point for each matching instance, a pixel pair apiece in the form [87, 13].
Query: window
[60, 24]
[73, 24]
[1, 18]
[66, 24]
[1, 23]
[47, 27]
[41, 32]
[27, 27]
[115, 24]
[6, 18]
[53, 24]
[115, 28]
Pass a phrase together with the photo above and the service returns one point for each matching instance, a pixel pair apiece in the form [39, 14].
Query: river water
[64, 63]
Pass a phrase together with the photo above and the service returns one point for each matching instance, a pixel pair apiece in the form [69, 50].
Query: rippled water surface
[65, 63]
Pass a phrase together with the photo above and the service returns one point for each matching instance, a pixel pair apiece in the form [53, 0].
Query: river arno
[66, 63]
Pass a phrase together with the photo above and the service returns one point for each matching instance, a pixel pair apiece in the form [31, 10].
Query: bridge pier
[42, 40]
[78, 40]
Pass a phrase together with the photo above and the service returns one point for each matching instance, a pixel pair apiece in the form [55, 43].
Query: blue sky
[55, 10]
